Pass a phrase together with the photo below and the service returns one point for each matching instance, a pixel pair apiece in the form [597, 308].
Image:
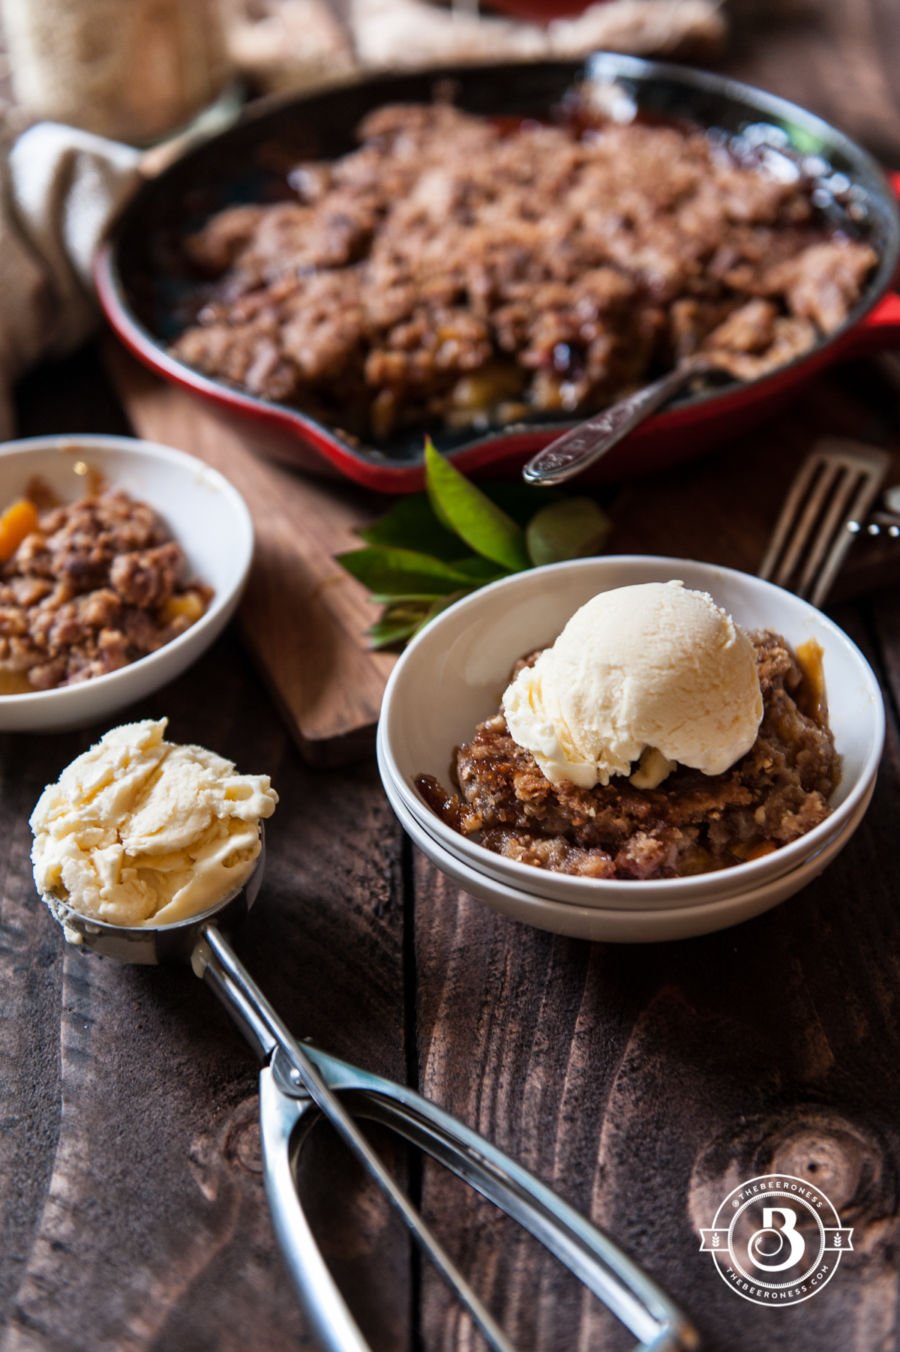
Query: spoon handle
[571, 453]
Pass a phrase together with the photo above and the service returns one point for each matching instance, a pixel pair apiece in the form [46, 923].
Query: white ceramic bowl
[539, 882]
[453, 674]
[205, 514]
[622, 925]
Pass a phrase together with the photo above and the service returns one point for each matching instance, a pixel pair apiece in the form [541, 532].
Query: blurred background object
[302, 44]
[143, 70]
[135, 72]
[288, 44]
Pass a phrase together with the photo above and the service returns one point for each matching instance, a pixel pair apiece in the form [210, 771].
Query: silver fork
[826, 507]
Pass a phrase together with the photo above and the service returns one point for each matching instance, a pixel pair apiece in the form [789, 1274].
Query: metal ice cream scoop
[297, 1079]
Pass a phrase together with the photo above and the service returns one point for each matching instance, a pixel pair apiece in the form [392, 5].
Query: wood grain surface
[641, 1082]
[304, 617]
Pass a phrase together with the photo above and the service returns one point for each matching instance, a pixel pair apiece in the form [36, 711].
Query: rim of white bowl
[462, 873]
[462, 870]
[622, 897]
[153, 450]
[753, 869]
[702, 887]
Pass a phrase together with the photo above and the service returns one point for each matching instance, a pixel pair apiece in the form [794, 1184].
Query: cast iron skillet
[144, 284]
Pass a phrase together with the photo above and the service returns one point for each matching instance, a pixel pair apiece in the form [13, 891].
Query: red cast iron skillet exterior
[145, 287]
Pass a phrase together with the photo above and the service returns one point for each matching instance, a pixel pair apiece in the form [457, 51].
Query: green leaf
[479, 570]
[479, 522]
[472, 570]
[567, 530]
[441, 603]
[399, 623]
[411, 523]
[807, 142]
[412, 564]
[403, 598]
[386, 633]
[402, 572]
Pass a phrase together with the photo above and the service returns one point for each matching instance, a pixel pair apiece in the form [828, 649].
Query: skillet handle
[881, 327]
[591, 1256]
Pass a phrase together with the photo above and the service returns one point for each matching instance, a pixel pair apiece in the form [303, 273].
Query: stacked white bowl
[452, 677]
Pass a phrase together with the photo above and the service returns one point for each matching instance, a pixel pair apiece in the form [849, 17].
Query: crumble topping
[692, 823]
[95, 585]
[464, 271]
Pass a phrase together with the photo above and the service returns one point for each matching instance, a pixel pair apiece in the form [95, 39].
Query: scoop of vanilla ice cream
[656, 674]
[138, 830]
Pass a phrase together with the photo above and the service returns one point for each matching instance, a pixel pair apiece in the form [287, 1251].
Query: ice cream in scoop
[641, 678]
[141, 831]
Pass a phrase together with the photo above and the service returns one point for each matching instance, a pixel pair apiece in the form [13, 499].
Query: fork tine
[772, 568]
[867, 491]
[845, 486]
[837, 483]
[804, 525]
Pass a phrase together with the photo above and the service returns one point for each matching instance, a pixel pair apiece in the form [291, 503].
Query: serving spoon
[296, 1079]
[583, 445]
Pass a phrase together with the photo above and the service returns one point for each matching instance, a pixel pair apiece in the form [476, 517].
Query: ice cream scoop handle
[571, 453]
[216, 963]
[298, 1078]
[590, 1255]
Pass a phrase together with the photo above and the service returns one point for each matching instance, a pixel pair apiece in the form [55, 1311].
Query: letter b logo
[776, 1240]
[774, 1248]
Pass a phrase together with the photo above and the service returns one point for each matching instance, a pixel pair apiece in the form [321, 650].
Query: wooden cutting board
[303, 617]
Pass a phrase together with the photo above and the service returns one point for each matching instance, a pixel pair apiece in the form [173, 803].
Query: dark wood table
[642, 1082]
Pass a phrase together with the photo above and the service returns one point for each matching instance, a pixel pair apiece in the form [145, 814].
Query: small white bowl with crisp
[204, 514]
[453, 675]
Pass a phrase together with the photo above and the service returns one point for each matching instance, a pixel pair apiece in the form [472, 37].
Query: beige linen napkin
[402, 33]
[59, 188]
[302, 44]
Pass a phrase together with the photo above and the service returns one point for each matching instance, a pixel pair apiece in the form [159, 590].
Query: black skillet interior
[251, 161]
